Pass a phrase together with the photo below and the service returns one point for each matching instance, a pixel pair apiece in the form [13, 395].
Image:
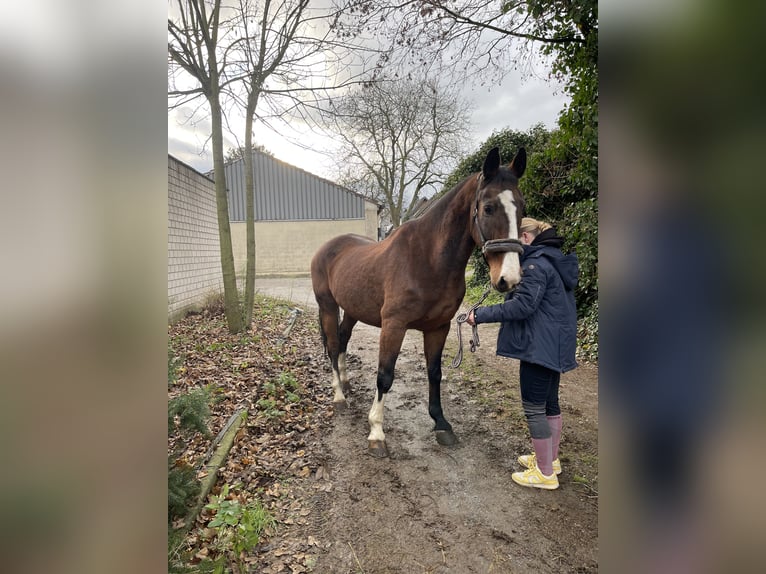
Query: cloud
[517, 104]
[514, 103]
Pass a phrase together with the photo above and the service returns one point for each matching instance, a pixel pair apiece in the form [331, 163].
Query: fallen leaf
[282, 552]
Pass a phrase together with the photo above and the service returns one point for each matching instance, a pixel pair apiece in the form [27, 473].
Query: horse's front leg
[433, 344]
[391, 337]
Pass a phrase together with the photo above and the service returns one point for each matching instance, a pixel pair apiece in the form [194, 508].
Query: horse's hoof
[340, 406]
[377, 448]
[446, 438]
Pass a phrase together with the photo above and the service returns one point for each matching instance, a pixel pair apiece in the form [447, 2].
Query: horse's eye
[489, 209]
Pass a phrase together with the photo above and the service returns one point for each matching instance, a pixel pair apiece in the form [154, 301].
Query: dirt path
[431, 509]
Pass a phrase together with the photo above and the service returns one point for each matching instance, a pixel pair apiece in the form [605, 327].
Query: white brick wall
[194, 255]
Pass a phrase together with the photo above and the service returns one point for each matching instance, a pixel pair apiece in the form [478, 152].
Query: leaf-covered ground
[426, 509]
[279, 380]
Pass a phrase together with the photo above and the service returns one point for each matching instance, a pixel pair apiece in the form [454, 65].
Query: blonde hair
[533, 226]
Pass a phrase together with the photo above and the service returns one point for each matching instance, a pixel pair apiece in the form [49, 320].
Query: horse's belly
[358, 303]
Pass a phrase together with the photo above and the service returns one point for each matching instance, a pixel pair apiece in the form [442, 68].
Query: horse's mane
[435, 207]
[441, 203]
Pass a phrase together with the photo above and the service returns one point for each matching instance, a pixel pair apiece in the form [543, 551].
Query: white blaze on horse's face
[510, 271]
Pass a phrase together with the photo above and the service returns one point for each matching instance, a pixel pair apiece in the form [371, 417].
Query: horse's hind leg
[344, 334]
[391, 338]
[433, 344]
[328, 321]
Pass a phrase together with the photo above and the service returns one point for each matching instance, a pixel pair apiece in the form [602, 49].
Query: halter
[493, 245]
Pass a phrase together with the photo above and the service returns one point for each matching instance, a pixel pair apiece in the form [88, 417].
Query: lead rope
[474, 341]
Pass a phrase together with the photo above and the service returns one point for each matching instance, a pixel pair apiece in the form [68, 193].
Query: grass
[473, 295]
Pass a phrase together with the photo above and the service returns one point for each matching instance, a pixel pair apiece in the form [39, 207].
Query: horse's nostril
[502, 285]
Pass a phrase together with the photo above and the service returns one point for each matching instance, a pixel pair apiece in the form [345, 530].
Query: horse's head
[497, 216]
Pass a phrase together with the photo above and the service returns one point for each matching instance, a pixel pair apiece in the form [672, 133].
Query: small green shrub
[192, 410]
[283, 389]
[269, 408]
[183, 486]
[288, 381]
[238, 527]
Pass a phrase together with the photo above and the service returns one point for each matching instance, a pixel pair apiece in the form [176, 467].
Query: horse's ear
[519, 163]
[491, 164]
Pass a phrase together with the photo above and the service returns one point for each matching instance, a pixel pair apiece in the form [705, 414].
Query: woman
[539, 327]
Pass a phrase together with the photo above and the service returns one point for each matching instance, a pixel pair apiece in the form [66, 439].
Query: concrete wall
[194, 255]
[371, 221]
[286, 247]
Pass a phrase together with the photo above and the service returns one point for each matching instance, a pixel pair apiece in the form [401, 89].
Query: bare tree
[263, 50]
[195, 47]
[280, 50]
[285, 55]
[480, 37]
[399, 139]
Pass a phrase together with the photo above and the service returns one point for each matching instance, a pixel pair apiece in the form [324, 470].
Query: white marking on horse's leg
[376, 419]
[338, 396]
[342, 369]
[511, 268]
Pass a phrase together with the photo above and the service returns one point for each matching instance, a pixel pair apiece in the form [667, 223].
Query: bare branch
[404, 135]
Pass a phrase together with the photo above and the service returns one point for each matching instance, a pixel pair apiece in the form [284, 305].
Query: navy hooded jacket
[539, 317]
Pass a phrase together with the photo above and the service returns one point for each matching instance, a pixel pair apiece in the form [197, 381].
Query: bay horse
[415, 279]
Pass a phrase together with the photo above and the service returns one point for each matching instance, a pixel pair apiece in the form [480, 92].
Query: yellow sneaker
[536, 479]
[530, 461]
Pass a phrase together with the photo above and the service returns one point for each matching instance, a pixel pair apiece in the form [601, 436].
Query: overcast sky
[517, 103]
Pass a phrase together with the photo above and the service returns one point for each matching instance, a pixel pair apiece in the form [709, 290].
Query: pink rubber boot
[555, 423]
[544, 454]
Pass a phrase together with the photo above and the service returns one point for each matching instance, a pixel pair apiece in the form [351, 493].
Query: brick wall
[194, 256]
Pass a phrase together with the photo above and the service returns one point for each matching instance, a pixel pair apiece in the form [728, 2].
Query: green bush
[587, 335]
[560, 186]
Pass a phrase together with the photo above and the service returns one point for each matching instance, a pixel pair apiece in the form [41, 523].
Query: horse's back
[334, 249]
[332, 254]
[345, 273]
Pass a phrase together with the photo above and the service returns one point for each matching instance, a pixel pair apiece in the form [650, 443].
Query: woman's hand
[471, 320]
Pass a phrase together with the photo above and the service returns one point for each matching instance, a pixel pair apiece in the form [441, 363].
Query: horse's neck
[450, 220]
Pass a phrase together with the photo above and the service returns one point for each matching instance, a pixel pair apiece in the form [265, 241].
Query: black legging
[539, 397]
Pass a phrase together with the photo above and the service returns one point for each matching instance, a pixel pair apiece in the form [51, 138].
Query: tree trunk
[252, 102]
[232, 307]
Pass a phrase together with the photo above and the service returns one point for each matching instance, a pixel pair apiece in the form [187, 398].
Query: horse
[415, 279]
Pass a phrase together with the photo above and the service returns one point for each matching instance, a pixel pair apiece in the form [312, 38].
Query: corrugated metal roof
[287, 193]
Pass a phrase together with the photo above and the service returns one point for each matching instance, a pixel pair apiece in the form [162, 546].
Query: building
[295, 213]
